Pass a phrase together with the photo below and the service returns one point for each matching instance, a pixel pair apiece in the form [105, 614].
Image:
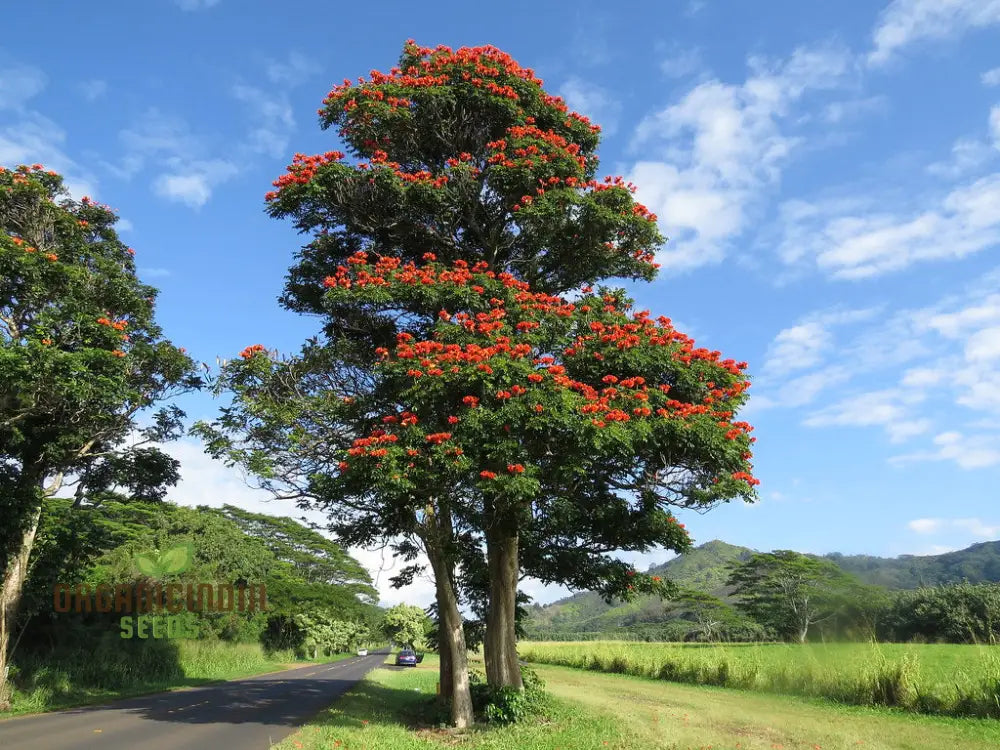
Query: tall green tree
[468, 183]
[81, 358]
[789, 592]
[316, 559]
[406, 624]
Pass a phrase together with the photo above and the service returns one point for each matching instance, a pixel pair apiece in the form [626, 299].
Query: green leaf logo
[147, 565]
[177, 559]
[174, 560]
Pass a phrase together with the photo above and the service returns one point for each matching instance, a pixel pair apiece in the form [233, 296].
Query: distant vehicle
[406, 658]
[362, 652]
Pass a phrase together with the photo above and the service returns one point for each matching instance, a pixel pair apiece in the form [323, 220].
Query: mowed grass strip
[945, 679]
[393, 708]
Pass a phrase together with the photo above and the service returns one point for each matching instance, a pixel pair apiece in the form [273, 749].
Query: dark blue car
[406, 658]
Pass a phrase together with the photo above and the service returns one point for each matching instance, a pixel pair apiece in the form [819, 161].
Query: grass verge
[947, 680]
[392, 710]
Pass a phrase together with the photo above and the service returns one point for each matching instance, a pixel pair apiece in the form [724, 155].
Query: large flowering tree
[81, 358]
[455, 401]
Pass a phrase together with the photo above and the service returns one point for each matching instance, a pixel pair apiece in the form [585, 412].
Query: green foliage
[81, 355]
[789, 593]
[405, 624]
[506, 705]
[960, 613]
[324, 634]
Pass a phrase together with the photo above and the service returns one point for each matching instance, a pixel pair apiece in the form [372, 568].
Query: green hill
[705, 568]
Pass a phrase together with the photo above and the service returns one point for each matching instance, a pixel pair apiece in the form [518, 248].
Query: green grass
[112, 670]
[393, 710]
[951, 680]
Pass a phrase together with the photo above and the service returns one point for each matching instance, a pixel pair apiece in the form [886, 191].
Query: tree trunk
[452, 639]
[445, 681]
[803, 633]
[500, 644]
[10, 598]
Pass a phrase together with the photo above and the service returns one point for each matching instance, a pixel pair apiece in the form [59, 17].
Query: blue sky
[829, 176]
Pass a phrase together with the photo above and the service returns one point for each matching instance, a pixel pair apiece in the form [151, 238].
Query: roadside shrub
[507, 705]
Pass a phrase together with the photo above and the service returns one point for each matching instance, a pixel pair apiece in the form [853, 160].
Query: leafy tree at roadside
[316, 559]
[81, 358]
[405, 624]
[789, 592]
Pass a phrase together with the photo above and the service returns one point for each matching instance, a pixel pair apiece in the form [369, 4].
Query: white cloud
[973, 526]
[885, 408]
[967, 451]
[93, 89]
[28, 137]
[900, 432]
[194, 5]
[860, 245]
[593, 101]
[968, 156]
[292, 71]
[853, 109]
[272, 119]
[193, 187]
[806, 343]
[925, 525]
[806, 388]
[798, 347]
[18, 84]
[904, 22]
[682, 62]
[991, 77]
[124, 225]
[166, 143]
[720, 146]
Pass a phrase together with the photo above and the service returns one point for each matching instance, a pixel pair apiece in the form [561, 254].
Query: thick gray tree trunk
[500, 644]
[454, 657]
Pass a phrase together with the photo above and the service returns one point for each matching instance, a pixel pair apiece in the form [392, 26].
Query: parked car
[362, 652]
[406, 658]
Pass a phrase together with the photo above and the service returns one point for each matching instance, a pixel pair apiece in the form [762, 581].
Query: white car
[362, 652]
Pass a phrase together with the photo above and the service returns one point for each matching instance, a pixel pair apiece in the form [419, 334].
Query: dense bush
[508, 705]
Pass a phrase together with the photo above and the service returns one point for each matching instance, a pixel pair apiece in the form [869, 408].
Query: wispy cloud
[194, 5]
[847, 243]
[595, 102]
[721, 146]
[27, 136]
[93, 89]
[681, 62]
[991, 77]
[905, 22]
[973, 526]
[165, 143]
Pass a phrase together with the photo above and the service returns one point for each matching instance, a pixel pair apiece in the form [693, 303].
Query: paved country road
[245, 714]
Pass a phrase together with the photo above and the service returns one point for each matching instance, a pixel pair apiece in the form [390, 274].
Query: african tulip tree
[80, 358]
[459, 165]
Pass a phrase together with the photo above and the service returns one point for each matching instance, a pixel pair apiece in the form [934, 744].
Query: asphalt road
[246, 714]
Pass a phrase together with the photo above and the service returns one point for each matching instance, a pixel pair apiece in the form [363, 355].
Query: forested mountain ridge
[705, 568]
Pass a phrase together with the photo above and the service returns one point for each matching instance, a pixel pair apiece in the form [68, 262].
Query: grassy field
[390, 710]
[951, 680]
[101, 674]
